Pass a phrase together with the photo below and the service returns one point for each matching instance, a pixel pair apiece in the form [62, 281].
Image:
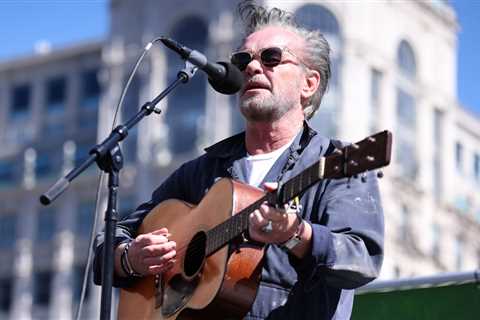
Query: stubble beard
[264, 108]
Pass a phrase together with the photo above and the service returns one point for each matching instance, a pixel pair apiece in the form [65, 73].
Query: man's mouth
[250, 86]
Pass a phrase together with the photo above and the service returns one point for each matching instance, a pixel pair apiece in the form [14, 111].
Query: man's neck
[264, 137]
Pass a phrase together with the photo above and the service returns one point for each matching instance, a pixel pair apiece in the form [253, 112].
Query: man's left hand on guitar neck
[277, 226]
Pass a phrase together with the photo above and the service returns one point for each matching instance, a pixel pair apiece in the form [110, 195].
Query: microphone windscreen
[231, 83]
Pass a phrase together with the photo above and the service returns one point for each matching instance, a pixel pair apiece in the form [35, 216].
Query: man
[338, 239]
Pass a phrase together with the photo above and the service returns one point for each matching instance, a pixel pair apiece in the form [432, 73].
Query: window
[55, 107]
[186, 105]
[42, 288]
[44, 165]
[56, 93]
[476, 167]
[45, 226]
[375, 103]
[406, 154]
[459, 157]
[436, 242]
[7, 230]
[405, 223]
[5, 294]
[90, 90]
[459, 244]
[406, 60]
[20, 101]
[7, 172]
[85, 216]
[317, 17]
[89, 102]
[437, 154]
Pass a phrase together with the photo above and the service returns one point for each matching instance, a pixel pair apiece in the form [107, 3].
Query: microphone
[224, 77]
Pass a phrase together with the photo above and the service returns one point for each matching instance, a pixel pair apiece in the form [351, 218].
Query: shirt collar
[234, 146]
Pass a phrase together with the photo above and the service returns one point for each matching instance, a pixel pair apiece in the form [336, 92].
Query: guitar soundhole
[195, 254]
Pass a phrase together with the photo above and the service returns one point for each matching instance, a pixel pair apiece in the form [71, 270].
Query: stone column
[218, 106]
[62, 284]
[22, 296]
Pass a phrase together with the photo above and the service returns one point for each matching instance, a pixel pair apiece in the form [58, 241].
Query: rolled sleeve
[347, 241]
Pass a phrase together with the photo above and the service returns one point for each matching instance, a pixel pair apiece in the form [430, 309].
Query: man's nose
[254, 67]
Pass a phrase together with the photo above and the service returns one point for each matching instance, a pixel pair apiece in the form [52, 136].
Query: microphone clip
[188, 72]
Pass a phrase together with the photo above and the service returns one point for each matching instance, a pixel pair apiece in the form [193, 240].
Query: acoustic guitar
[217, 271]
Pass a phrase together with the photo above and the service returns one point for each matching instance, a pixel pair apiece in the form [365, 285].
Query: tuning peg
[379, 174]
[353, 163]
[355, 146]
[370, 158]
[371, 139]
[364, 178]
[337, 151]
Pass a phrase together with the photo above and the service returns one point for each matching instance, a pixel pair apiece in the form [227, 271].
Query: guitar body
[218, 286]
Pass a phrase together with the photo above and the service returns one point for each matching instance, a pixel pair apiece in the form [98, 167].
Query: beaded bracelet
[126, 265]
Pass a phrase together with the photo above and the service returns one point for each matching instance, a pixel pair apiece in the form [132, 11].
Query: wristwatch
[295, 239]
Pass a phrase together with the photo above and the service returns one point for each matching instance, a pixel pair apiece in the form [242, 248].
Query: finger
[257, 218]
[146, 239]
[271, 213]
[151, 261]
[270, 186]
[158, 249]
[151, 239]
[161, 231]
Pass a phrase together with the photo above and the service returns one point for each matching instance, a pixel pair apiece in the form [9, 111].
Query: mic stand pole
[109, 158]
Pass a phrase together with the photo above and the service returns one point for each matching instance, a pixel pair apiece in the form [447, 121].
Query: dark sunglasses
[269, 57]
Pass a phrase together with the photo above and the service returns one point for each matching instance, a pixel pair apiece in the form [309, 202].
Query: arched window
[406, 60]
[317, 17]
[406, 112]
[186, 104]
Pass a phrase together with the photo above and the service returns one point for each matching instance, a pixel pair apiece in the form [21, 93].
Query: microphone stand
[109, 159]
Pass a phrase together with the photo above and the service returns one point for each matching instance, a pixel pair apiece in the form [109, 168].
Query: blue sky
[26, 22]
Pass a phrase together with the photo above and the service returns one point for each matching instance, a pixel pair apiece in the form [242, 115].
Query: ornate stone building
[394, 67]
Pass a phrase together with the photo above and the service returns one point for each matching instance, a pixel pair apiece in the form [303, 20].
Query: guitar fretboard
[228, 230]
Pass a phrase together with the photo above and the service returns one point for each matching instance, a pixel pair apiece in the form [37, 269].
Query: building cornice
[445, 13]
[54, 55]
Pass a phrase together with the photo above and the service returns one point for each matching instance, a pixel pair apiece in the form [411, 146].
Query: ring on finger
[268, 227]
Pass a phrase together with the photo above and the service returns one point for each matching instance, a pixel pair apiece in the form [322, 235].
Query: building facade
[394, 67]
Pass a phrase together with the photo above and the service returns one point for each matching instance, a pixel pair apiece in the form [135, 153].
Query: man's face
[270, 92]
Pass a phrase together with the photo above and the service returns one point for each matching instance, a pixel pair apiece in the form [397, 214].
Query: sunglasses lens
[271, 57]
[241, 60]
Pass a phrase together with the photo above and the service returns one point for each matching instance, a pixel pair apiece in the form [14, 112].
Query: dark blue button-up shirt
[346, 218]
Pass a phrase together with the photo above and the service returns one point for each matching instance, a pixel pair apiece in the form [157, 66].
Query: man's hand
[151, 253]
[271, 225]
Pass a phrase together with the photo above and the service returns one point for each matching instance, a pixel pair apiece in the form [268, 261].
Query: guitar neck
[228, 230]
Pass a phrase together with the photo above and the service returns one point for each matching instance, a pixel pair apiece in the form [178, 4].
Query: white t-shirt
[255, 167]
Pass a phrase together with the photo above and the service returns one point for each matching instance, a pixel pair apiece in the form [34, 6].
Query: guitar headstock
[371, 153]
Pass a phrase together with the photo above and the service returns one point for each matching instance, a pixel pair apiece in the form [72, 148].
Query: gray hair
[316, 50]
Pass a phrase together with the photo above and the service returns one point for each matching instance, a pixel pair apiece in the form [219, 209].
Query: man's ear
[310, 84]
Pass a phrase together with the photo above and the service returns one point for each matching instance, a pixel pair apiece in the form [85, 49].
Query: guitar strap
[289, 157]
